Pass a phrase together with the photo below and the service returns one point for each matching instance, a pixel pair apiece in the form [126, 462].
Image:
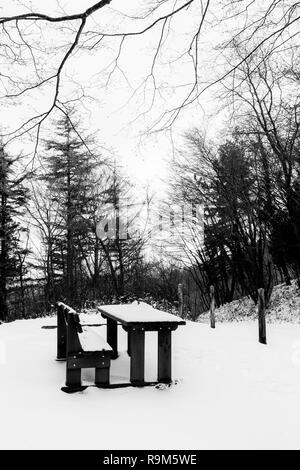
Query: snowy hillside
[284, 307]
[232, 392]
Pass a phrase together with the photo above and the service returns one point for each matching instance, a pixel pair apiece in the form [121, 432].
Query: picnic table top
[139, 313]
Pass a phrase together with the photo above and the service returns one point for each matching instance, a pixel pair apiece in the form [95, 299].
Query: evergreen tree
[13, 197]
[69, 178]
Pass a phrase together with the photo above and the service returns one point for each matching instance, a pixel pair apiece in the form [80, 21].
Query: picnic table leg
[164, 356]
[137, 354]
[128, 343]
[112, 336]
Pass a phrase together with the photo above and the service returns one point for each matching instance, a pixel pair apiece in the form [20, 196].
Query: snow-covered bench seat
[81, 347]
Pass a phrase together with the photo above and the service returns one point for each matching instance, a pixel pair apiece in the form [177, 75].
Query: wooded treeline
[63, 201]
[246, 181]
[63, 235]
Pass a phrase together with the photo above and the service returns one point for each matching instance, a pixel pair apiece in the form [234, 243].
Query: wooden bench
[81, 347]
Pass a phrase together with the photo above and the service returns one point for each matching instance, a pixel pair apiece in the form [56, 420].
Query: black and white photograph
[149, 228]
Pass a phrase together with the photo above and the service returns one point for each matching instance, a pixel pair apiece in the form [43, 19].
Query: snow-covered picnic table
[136, 318]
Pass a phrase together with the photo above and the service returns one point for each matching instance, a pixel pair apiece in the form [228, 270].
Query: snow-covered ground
[284, 307]
[232, 393]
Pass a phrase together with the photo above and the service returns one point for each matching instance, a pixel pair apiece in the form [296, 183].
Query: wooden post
[180, 300]
[261, 307]
[212, 307]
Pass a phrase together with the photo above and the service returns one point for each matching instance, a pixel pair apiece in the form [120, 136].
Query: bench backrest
[73, 328]
[68, 327]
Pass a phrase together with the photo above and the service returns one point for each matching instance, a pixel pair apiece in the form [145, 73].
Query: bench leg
[102, 376]
[112, 336]
[164, 356]
[137, 353]
[73, 378]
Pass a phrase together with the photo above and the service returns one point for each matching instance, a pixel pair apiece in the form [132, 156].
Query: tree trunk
[3, 261]
[70, 280]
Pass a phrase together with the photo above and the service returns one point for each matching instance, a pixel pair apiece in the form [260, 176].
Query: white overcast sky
[121, 124]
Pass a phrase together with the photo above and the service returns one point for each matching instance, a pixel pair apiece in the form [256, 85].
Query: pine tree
[69, 177]
[13, 199]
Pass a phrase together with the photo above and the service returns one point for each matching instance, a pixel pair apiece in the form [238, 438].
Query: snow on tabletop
[139, 312]
[92, 341]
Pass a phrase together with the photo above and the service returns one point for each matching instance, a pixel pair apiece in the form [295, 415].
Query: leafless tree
[232, 250]
[267, 102]
[40, 51]
[46, 227]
